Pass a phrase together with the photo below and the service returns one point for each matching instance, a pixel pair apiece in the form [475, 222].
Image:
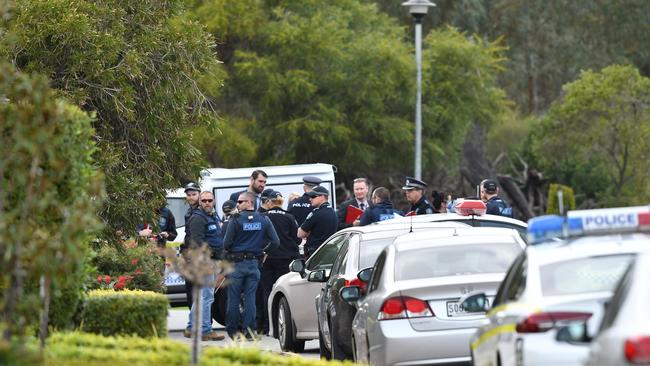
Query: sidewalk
[177, 320]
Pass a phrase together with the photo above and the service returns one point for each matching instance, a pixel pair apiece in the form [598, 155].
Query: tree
[148, 74]
[49, 191]
[603, 120]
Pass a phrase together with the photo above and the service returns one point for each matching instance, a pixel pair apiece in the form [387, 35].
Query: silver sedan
[411, 314]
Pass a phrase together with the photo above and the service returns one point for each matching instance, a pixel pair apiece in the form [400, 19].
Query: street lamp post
[418, 9]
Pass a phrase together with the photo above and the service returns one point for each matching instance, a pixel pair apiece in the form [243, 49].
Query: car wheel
[337, 351]
[324, 352]
[288, 342]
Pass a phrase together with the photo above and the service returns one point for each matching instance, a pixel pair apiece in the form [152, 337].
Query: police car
[555, 282]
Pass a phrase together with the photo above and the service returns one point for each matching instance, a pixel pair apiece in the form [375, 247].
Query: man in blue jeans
[203, 227]
[246, 241]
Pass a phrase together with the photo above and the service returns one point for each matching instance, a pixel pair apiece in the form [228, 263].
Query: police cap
[490, 186]
[311, 181]
[191, 186]
[275, 195]
[318, 191]
[228, 206]
[265, 194]
[412, 183]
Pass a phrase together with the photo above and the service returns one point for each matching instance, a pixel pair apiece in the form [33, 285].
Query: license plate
[455, 309]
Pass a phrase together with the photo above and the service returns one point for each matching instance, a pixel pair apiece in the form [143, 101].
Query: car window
[338, 268]
[617, 300]
[178, 206]
[455, 260]
[583, 275]
[369, 251]
[518, 284]
[377, 272]
[325, 256]
[514, 271]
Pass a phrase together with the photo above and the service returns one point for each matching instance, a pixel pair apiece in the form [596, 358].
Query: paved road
[177, 320]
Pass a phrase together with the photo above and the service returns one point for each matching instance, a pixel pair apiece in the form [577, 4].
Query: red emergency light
[470, 207]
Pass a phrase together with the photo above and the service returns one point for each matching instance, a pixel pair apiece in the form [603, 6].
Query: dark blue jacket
[205, 228]
[188, 215]
[379, 212]
[497, 206]
[287, 229]
[250, 232]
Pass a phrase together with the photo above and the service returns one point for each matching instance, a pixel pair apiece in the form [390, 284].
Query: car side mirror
[350, 294]
[365, 274]
[475, 302]
[317, 276]
[573, 333]
[298, 265]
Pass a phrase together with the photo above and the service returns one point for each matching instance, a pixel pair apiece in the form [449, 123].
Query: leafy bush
[131, 265]
[15, 354]
[568, 199]
[82, 349]
[127, 312]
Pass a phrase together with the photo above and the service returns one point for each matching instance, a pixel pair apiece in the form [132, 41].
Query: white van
[223, 182]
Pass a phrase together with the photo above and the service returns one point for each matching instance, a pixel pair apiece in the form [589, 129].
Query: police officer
[277, 261]
[321, 223]
[495, 205]
[382, 208]
[264, 196]
[246, 238]
[192, 191]
[229, 208]
[203, 227]
[415, 190]
[301, 207]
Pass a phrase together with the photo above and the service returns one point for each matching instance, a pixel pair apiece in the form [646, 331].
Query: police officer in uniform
[382, 208]
[246, 242]
[494, 204]
[192, 191]
[301, 207]
[415, 194]
[321, 223]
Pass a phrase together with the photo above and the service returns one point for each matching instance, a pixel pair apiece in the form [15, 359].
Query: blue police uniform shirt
[380, 212]
[422, 207]
[321, 223]
[248, 232]
[300, 208]
[212, 234]
[497, 206]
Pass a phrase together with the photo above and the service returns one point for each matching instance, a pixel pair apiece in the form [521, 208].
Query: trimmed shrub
[142, 313]
[568, 199]
[82, 349]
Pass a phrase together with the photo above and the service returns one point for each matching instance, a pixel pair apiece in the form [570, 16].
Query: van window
[178, 207]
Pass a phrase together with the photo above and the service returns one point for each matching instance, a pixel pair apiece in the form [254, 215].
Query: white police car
[556, 283]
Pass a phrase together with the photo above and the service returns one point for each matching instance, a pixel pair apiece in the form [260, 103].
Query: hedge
[109, 312]
[83, 349]
[568, 199]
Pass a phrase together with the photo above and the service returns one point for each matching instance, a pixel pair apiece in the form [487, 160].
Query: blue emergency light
[589, 222]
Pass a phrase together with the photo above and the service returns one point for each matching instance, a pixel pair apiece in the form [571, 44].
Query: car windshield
[489, 223]
[455, 260]
[369, 251]
[583, 275]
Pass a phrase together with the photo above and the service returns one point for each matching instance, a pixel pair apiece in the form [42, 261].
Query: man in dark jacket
[494, 204]
[382, 208]
[192, 191]
[360, 201]
[415, 194]
[255, 187]
[320, 223]
[203, 227]
[246, 242]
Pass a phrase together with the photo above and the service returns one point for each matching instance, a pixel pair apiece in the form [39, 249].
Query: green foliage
[139, 263]
[49, 191]
[80, 349]
[459, 88]
[19, 354]
[568, 199]
[147, 72]
[603, 120]
[142, 313]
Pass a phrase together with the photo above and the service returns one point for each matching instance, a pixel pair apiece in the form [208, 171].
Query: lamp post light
[418, 9]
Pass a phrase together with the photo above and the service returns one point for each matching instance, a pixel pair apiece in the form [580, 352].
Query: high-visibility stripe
[507, 328]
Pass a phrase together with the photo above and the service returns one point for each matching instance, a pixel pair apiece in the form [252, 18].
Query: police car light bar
[470, 207]
[586, 222]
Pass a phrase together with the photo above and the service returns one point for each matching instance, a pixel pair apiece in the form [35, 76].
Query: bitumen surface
[177, 321]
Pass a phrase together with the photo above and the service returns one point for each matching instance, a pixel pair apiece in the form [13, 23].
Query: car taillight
[355, 282]
[637, 350]
[541, 322]
[402, 307]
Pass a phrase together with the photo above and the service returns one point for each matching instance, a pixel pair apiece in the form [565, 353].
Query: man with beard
[256, 187]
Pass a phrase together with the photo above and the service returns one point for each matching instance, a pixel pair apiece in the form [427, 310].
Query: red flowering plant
[129, 265]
